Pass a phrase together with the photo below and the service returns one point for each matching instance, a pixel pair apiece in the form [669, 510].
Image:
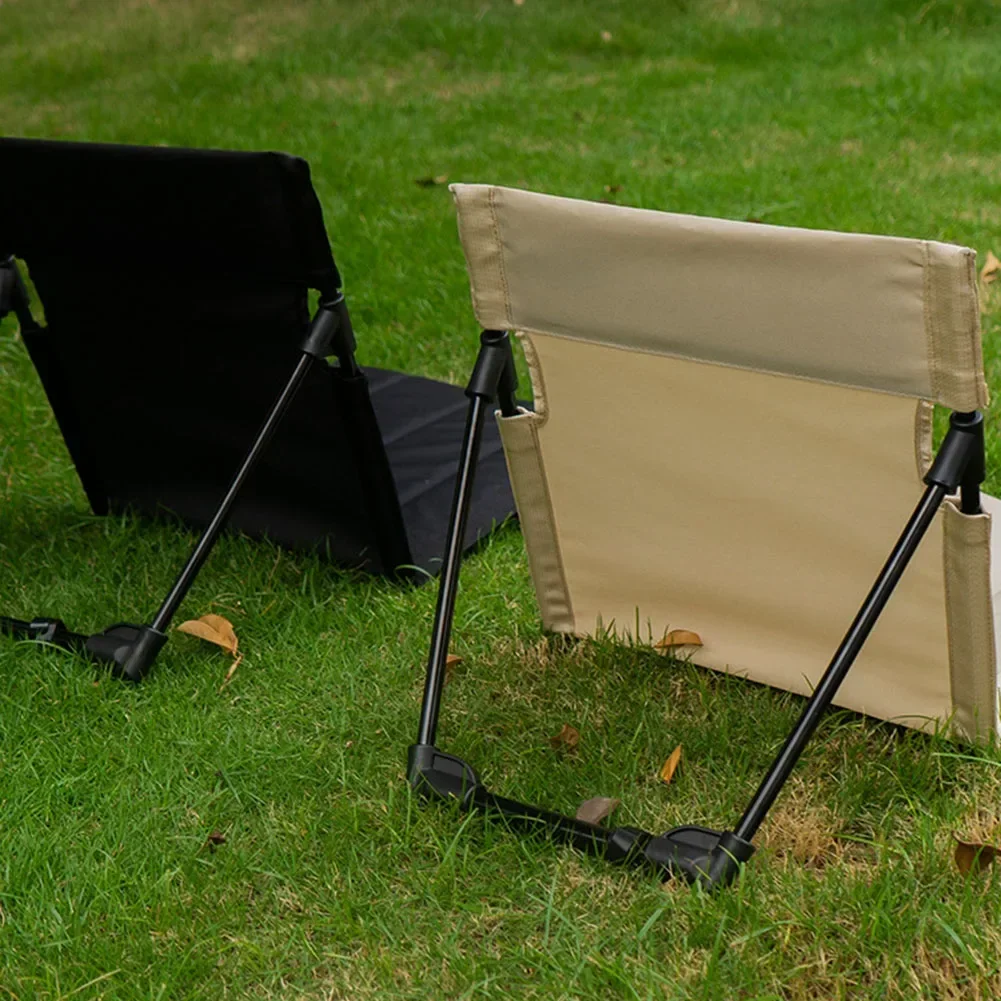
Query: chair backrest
[175, 287]
[732, 421]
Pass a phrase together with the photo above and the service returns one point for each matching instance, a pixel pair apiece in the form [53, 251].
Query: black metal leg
[699, 855]
[428, 770]
[449, 582]
[702, 856]
[129, 649]
[493, 375]
[843, 659]
[959, 463]
[210, 534]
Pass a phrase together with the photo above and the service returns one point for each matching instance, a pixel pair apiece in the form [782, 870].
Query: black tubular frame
[700, 855]
[129, 650]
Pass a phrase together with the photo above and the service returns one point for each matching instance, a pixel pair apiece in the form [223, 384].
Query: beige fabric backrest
[731, 424]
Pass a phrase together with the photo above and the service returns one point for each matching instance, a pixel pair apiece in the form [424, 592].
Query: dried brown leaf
[215, 839]
[567, 739]
[431, 182]
[991, 269]
[213, 629]
[670, 766]
[595, 810]
[676, 638]
[973, 855]
[451, 661]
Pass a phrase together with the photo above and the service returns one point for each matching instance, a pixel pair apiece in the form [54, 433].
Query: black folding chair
[175, 287]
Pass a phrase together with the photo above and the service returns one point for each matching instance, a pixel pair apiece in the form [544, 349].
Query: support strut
[129, 650]
[700, 855]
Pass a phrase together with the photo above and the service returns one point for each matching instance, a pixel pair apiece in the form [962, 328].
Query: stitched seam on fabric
[988, 616]
[973, 320]
[992, 636]
[928, 312]
[722, 364]
[951, 625]
[923, 417]
[426, 486]
[551, 517]
[538, 522]
[541, 398]
[491, 201]
[964, 621]
[969, 345]
[425, 420]
[474, 290]
[968, 349]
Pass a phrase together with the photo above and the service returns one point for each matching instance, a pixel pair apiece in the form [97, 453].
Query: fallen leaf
[670, 766]
[519, 3]
[430, 182]
[212, 629]
[568, 738]
[970, 854]
[991, 269]
[676, 638]
[215, 839]
[595, 810]
[231, 672]
[613, 189]
[450, 664]
[606, 36]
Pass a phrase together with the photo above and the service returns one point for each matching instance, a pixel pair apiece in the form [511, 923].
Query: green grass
[332, 883]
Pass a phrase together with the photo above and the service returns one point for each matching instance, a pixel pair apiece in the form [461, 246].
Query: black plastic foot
[127, 649]
[41, 630]
[699, 855]
[434, 775]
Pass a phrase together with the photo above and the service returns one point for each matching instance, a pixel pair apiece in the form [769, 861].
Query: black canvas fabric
[422, 423]
[174, 284]
[159, 214]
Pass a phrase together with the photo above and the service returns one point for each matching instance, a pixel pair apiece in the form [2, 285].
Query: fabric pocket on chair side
[971, 604]
[538, 523]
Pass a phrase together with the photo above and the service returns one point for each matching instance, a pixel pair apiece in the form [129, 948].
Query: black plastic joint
[699, 855]
[626, 844]
[725, 862]
[52, 631]
[434, 775]
[494, 372]
[128, 650]
[330, 332]
[960, 458]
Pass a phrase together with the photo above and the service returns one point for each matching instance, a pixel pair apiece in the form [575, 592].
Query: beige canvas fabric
[708, 454]
[872, 312]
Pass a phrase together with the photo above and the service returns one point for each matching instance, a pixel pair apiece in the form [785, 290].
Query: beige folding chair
[732, 422]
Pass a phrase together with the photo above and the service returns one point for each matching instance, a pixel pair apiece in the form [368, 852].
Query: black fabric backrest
[151, 212]
[175, 285]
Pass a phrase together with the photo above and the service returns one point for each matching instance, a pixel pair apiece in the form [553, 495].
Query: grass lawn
[332, 883]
